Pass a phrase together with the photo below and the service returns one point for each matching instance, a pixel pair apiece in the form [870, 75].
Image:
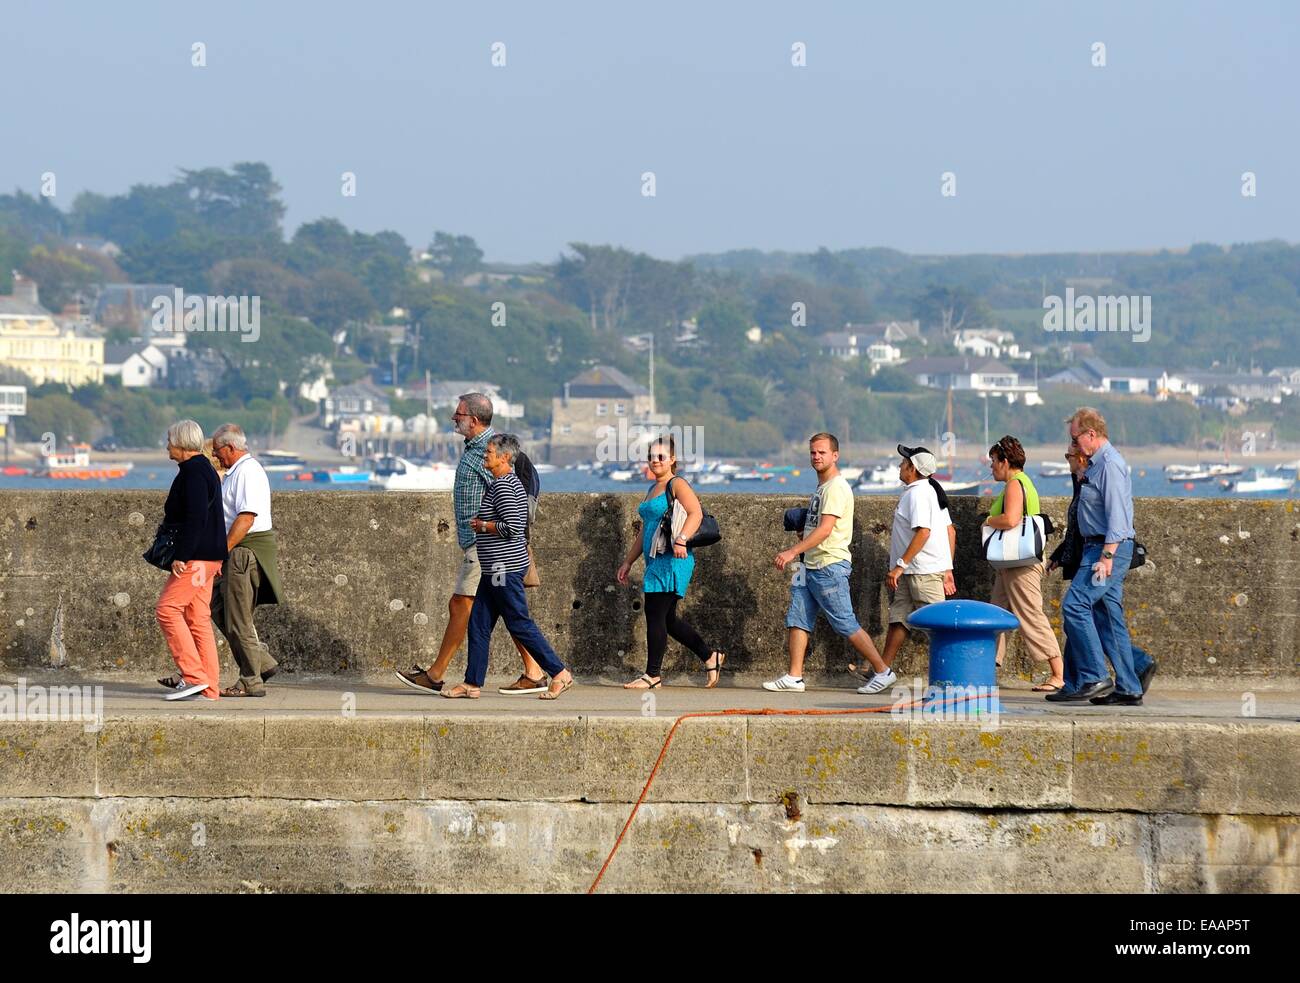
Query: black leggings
[661, 621]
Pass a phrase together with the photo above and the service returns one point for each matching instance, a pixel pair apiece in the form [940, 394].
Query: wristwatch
[1107, 555]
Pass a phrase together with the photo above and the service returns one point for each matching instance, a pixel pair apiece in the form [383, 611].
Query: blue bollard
[963, 641]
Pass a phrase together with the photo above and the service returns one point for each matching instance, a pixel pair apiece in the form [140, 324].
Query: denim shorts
[825, 590]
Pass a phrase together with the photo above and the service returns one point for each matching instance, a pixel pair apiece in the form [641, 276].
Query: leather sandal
[239, 689]
[462, 691]
[171, 682]
[554, 694]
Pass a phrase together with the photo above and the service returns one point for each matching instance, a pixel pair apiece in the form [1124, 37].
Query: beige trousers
[1020, 591]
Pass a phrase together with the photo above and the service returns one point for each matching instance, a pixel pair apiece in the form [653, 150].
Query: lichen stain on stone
[991, 740]
[922, 744]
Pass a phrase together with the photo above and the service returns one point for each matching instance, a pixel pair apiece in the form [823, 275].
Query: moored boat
[401, 474]
[1259, 483]
[280, 461]
[346, 474]
[76, 465]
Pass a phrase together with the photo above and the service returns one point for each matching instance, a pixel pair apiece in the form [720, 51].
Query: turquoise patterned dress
[664, 574]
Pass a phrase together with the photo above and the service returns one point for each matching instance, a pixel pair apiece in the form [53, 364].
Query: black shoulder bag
[162, 552]
[706, 535]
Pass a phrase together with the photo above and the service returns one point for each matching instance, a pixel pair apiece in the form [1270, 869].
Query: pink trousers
[184, 613]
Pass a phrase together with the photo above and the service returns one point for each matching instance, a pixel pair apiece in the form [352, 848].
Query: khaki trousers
[1020, 591]
[234, 596]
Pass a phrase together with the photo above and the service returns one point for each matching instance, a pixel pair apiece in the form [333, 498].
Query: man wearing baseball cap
[920, 547]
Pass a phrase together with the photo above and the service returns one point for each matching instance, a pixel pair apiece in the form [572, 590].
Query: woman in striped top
[501, 528]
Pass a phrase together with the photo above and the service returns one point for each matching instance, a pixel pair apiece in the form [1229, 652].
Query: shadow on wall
[604, 632]
[720, 606]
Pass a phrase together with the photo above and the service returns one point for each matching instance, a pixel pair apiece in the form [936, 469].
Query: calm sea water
[1148, 482]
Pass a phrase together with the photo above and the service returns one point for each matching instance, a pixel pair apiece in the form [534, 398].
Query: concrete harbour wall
[474, 803]
[368, 578]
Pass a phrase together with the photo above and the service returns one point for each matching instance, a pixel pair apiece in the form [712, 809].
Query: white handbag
[1021, 546]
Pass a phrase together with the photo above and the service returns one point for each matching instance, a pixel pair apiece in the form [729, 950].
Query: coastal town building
[137, 363]
[32, 343]
[591, 402]
[962, 372]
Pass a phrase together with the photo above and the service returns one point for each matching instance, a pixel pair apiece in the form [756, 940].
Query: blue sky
[1050, 153]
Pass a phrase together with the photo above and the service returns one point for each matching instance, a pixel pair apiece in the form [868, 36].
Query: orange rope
[767, 712]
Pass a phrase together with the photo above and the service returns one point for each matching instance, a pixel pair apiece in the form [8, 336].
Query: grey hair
[507, 444]
[229, 435]
[478, 406]
[185, 435]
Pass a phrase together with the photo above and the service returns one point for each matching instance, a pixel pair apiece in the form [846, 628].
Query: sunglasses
[658, 458]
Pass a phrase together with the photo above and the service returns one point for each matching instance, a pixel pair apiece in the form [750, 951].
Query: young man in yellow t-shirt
[822, 585]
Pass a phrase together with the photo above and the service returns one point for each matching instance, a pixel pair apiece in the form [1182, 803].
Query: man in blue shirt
[1093, 608]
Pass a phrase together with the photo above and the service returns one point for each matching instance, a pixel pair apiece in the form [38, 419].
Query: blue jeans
[1141, 660]
[509, 602]
[1095, 628]
[825, 590]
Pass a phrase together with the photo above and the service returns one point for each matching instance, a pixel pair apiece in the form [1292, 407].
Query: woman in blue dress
[668, 568]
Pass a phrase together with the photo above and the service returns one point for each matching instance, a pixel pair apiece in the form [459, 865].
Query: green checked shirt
[472, 480]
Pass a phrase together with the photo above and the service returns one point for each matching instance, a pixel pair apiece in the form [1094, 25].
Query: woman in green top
[1020, 589]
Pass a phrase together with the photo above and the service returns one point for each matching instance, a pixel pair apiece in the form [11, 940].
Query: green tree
[456, 255]
[722, 324]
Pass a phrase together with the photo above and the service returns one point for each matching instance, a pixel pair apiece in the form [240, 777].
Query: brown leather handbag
[533, 578]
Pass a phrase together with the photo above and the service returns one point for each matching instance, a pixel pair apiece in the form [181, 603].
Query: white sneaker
[186, 692]
[878, 682]
[786, 684]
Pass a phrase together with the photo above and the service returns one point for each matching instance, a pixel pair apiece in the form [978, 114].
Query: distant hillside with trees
[325, 288]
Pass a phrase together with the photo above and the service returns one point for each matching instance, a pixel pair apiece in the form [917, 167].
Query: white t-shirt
[247, 489]
[918, 508]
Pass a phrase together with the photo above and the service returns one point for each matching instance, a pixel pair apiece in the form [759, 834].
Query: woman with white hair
[193, 537]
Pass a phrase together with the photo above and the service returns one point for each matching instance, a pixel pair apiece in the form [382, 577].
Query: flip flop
[716, 671]
[643, 679]
[1046, 688]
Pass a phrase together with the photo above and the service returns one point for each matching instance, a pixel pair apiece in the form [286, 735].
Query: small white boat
[1051, 469]
[281, 461]
[622, 474]
[752, 476]
[408, 476]
[1195, 474]
[881, 480]
[1225, 470]
[1260, 483]
[711, 478]
[1288, 466]
[544, 468]
[851, 474]
[960, 487]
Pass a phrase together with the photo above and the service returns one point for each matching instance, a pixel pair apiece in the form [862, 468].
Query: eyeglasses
[658, 458]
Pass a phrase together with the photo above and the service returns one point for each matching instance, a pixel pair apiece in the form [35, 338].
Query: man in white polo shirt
[250, 575]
